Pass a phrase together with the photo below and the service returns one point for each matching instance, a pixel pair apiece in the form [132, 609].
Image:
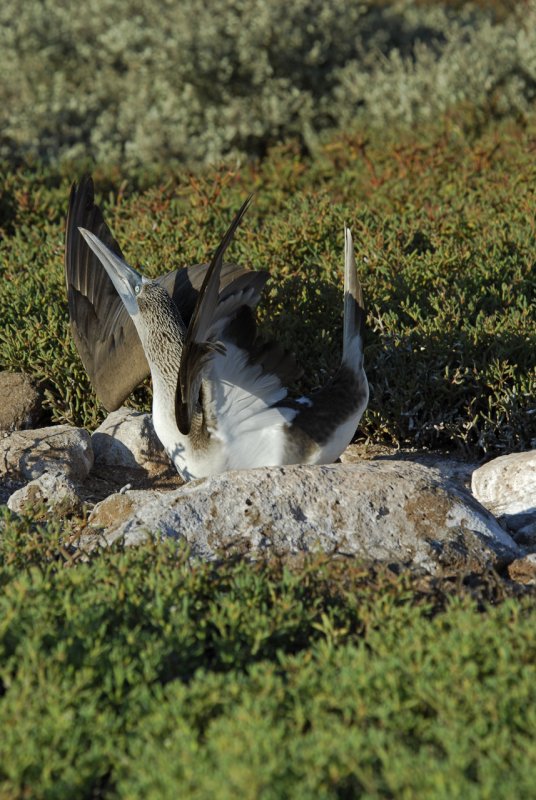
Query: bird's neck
[163, 342]
[162, 334]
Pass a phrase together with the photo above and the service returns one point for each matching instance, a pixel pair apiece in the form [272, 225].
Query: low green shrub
[138, 674]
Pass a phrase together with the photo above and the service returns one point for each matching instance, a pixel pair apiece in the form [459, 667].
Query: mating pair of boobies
[219, 395]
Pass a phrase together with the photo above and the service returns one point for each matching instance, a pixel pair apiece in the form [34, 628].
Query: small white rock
[126, 438]
[25, 455]
[507, 485]
[55, 491]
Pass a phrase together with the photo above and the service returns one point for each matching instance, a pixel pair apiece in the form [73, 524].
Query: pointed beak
[125, 279]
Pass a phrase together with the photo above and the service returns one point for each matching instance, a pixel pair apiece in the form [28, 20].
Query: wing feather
[240, 403]
[103, 332]
[198, 345]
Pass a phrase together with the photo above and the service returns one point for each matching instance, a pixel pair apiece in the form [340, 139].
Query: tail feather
[354, 308]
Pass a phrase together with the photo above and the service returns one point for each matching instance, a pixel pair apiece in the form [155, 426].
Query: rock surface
[507, 487]
[126, 438]
[20, 402]
[55, 491]
[25, 455]
[443, 466]
[7, 487]
[523, 570]
[389, 511]
[526, 536]
[407, 509]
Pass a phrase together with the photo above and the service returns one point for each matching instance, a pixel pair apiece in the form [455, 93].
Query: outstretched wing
[103, 332]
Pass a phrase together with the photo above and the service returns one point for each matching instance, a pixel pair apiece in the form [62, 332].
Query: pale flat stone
[127, 438]
[444, 466]
[20, 402]
[380, 511]
[507, 487]
[54, 491]
[25, 455]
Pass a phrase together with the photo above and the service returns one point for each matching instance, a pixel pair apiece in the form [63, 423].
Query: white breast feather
[240, 396]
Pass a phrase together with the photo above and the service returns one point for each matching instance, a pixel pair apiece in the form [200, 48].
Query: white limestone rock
[388, 511]
[127, 438]
[445, 467]
[52, 490]
[507, 487]
[25, 455]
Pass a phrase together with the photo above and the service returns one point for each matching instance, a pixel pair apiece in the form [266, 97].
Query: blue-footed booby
[104, 334]
[219, 395]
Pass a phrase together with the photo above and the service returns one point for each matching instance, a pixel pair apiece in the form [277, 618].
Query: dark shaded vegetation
[136, 673]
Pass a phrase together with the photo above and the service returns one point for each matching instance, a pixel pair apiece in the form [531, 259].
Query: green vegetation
[192, 81]
[141, 674]
[444, 233]
[136, 674]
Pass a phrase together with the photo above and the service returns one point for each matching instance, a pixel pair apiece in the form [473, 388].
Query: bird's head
[128, 283]
[153, 312]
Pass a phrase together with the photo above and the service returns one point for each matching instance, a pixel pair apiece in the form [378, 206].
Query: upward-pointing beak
[124, 278]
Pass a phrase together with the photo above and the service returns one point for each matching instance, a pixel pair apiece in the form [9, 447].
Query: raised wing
[103, 332]
[199, 344]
